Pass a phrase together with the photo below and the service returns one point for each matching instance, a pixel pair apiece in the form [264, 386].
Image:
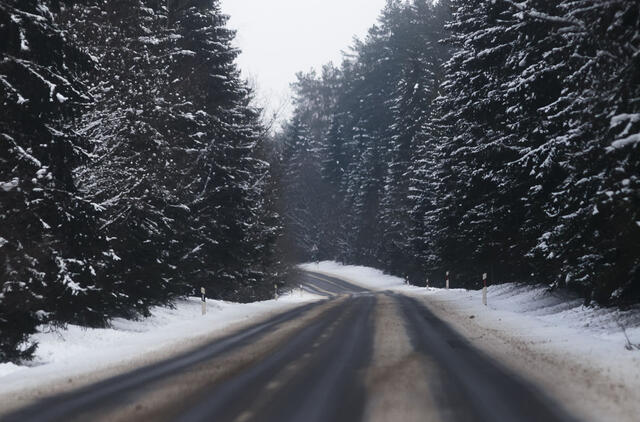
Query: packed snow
[363, 276]
[76, 350]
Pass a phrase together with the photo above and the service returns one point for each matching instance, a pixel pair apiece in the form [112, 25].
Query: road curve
[359, 355]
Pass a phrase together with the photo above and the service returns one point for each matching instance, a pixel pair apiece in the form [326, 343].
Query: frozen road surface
[359, 355]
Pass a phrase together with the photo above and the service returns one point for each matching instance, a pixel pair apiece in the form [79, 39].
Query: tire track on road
[113, 390]
[487, 391]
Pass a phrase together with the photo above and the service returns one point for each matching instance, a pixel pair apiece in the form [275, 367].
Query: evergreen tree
[301, 192]
[131, 173]
[592, 227]
[379, 103]
[416, 40]
[50, 247]
[133, 165]
[226, 185]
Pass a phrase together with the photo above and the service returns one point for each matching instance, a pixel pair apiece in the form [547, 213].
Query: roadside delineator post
[300, 287]
[427, 284]
[447, 280]
[484, 289]
[204, 301]
[275, 288]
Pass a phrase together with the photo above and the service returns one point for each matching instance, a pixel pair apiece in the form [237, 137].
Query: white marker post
[447, 280]
[275, 288]
[427, 284]
[484, 289]
[204, 301]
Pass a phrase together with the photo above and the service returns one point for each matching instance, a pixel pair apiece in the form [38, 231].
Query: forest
[132, 165]
[468, 136]
[476, 136]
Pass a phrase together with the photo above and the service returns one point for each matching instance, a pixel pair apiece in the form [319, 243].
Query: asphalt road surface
[358, 355]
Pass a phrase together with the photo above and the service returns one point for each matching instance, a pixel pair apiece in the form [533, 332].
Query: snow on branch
[624, 142]
[21, 152]
[20, 99]
[532, 13]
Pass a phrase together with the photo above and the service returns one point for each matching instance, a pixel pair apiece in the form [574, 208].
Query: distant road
[359, 355]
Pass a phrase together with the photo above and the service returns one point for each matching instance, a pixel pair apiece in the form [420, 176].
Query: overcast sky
[282, 37]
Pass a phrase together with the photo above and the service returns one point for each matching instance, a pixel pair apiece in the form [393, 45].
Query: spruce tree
[50, 248]
[228, 183]
[593, 228]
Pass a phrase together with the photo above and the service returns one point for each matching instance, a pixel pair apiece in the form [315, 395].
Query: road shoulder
[588, 388]
[27, 386]
[575, 354]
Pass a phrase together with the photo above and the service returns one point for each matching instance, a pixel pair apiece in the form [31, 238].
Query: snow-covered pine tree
[539, 133]
[49, 244]
[230, 229]
[131, 173]
[526, 86]
[369, 113]
[416, 43]
[301, 192]
[336, 155]
[424, 173]
[620, 281]
[517, 157]
[176, 153]
[374, 74]
[133, 164]
[528, 168]
[593, 235]
[476, 206]
[315, 101]
[339, 153]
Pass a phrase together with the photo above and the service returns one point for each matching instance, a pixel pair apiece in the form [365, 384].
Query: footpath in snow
[586, 357]
[80, 355]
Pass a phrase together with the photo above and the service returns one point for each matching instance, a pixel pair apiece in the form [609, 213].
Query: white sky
[282, 37]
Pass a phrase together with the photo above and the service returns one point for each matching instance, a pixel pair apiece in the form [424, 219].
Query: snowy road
[360, 355]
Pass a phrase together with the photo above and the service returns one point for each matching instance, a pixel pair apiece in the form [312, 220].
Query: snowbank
[366, 277]
[523, 305]
[77, 350]
[535, 311]
[586, 357]
[362, 276]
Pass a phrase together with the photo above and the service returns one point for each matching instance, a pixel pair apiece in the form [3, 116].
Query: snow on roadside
[76, 350]
[363, 276]
[535, 311]
[7, 368]
[578, 353]
[524, 305]
[575, 353]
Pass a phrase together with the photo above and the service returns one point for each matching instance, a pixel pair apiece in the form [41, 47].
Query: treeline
[476, 136]
[132, 164]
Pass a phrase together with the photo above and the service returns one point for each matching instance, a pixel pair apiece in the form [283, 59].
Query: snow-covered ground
[363, 276]
[587, 357]
[523, 305]
[580, 355]
[75, 350]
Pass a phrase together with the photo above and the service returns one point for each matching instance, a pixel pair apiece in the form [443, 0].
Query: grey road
[358, 355]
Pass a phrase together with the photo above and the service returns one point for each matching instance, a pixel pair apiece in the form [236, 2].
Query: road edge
[586, 391]
[12, 400]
